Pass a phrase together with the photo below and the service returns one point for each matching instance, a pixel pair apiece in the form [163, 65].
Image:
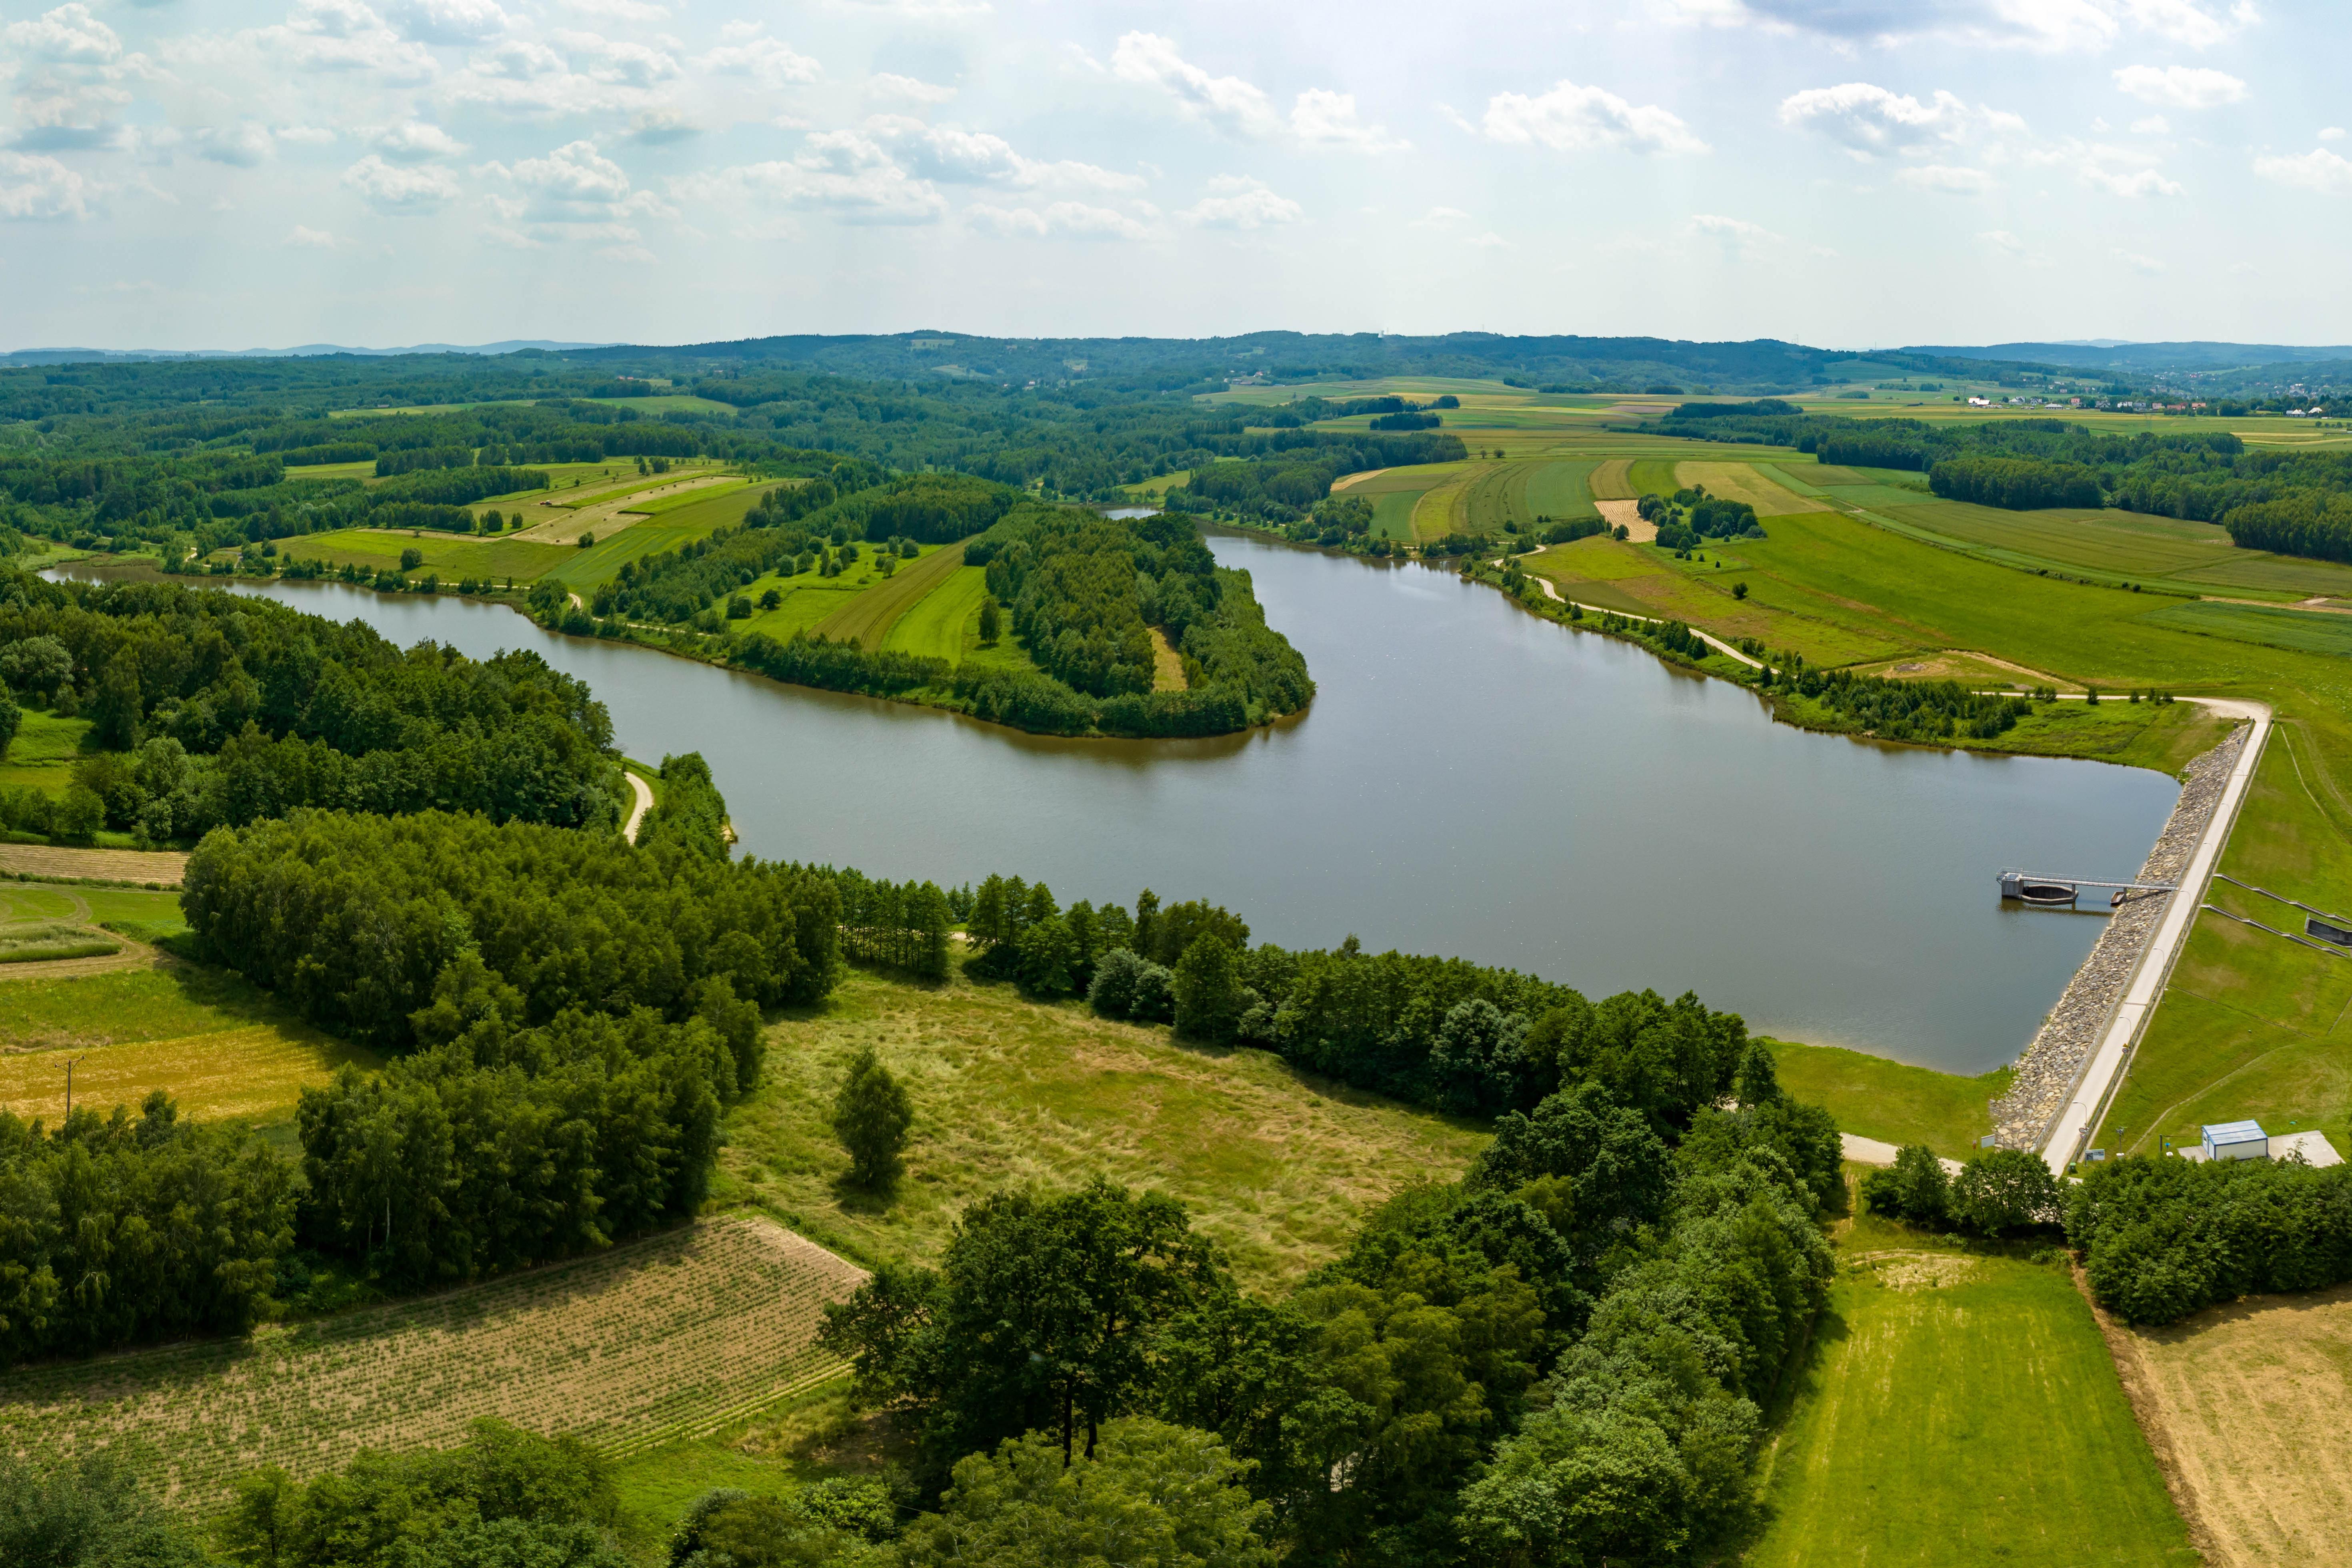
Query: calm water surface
[1471, 780]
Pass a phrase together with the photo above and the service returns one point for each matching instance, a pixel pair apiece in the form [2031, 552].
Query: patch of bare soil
[1627, 515]
[1344, 480]
[163, 865]
[2243, 1404]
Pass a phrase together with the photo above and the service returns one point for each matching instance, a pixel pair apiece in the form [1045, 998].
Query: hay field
[870, 616]
[584, 571]
[1612, 481]
[935, 627]
[1960, 1410]
[563, 521]
[1653, 476]
[160, 866]
[453, 555]
[1744, 481]
[2244, 1405]
[655, 1341]
[1278, 1167]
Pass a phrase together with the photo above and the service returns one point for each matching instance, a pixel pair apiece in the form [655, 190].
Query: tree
[411, 559]
[37, 664]
[12, 717]
[871, 1116]
[1209, 993]
[1148, 1492]
[89, 1513]
[2006, 1189]
[1916, 1187]
[117, 714]
[1759, 1076]
[79, 815]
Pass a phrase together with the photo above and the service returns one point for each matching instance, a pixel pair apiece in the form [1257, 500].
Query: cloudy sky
[240, 172]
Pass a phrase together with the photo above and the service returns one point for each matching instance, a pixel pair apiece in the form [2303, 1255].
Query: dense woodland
[215, 709]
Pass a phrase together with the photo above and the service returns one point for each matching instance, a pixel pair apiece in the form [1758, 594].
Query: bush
[1916, 1188]
[2006, 1189]
[2163, 1238]
[870, 1115]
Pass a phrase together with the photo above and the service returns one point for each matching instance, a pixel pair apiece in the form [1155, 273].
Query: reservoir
[1470, 780]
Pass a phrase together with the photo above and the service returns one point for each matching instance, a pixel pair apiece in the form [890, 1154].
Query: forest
[215, 710]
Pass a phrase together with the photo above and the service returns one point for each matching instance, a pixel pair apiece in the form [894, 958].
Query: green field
[936, 627]
[867, 620]
[585, 571]
[452, 556]
[1892, 1101]
[2302, 630]
[811, 599]
[1558, 490]
[1277, 1167]
[42, 755]
[1653, 476]
[1960, 1409]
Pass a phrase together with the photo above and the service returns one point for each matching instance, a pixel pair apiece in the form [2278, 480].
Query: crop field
[2244, 1405]
[1395, 495]
[583, 571]
[811, 599]
[1653, 476]
[1276, 1166]
[452, 556]
[162, 867]
[1960, 1409]
[2307, 631]
[1646, 580]
[1558, 490]
[935, 627]
[654, 1341]
[870, 616]
[1612, 481]
[1744, 481]
[2123, 543]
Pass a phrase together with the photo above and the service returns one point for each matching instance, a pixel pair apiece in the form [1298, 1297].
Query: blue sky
[241, 172]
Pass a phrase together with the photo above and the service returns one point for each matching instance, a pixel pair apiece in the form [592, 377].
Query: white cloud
[617, 61]
[923, 10]
[1074, 220]
[2050, 27]
[336, 35]
[2119, 171]
[397, 192]
[242, 146]
[1489, 240]
[2180, 87]
[908, 89]
[1225, 101]
[1322, 118]
[1319, 117]
[67, 35]
[956, 156]
[1870, 119]
[2147, 264]
[31, 187]
[1439, 218]
[518, 59]
[845, 172]
[1572, 118]
[1739, 238]
[2001, 239]
[770, 62]
[2317, 170]
[659, 126]
[316, 238]
[2152, 125]
[571, 181]
[448, 21]
[414, 141]
[2332, 134]
[1947, 180]
[1239, 202]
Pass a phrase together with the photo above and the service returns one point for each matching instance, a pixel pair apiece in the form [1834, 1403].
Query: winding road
[645, 794]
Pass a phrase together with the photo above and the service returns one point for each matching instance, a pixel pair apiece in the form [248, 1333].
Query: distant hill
[301, 351]
[2143, 359]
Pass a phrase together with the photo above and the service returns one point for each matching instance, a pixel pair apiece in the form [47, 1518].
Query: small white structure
[2236, 1140]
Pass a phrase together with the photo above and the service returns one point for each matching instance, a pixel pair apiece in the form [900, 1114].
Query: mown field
[1960, 1409]
[936, 627]
[1277, 1167]
[867, 618]
[657, 1340]
[1893, 1102]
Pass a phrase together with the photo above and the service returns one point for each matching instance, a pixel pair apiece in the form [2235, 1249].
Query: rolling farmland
[870, 616]
[1745, 482]
[934, 628]
[656, 1340]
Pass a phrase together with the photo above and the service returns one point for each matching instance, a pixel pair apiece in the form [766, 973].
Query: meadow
[1274, 1166]
[936, 627]
[1959, 1407]
[868, 619]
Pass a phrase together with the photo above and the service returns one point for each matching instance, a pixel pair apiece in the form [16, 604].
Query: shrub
[2006, 1189]
[870, 1115]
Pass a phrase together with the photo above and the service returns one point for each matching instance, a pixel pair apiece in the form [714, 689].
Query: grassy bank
[1893, 1102]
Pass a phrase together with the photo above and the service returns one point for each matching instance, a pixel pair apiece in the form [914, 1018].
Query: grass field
[1612, 481]
[1274, 1166]
[221, 1047]
[867, 618]
[1960, 1409]
[1653, 476]
[936, 627]
[1558, 489]
[811, 599]
[585, 571]
[42, 755]
[2302, 630]
[451, 555]
[1743, 481]
[654, 1341]
[2244, 1405]
[1892, 1101]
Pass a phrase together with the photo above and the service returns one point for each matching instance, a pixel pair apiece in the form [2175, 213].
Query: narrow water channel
[1471, 780]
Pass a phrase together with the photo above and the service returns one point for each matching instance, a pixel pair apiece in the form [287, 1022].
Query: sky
[236, 174]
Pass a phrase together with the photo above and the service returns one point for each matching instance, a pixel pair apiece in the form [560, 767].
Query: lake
[1470, 780]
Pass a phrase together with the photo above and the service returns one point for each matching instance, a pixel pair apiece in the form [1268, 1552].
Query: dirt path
[164, 865]
[644, 796]
[1344, 480]
[1714, 642]
[604, 518]
[135, 955]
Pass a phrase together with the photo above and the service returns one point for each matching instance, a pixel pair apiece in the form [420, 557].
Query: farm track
[656, 1340]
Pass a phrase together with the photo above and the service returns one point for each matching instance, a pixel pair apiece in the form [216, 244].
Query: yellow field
[256, 1073]
[1612, 481]
[656, 1340]
[2244, 1406]
[870, 616]
[1744, 481]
